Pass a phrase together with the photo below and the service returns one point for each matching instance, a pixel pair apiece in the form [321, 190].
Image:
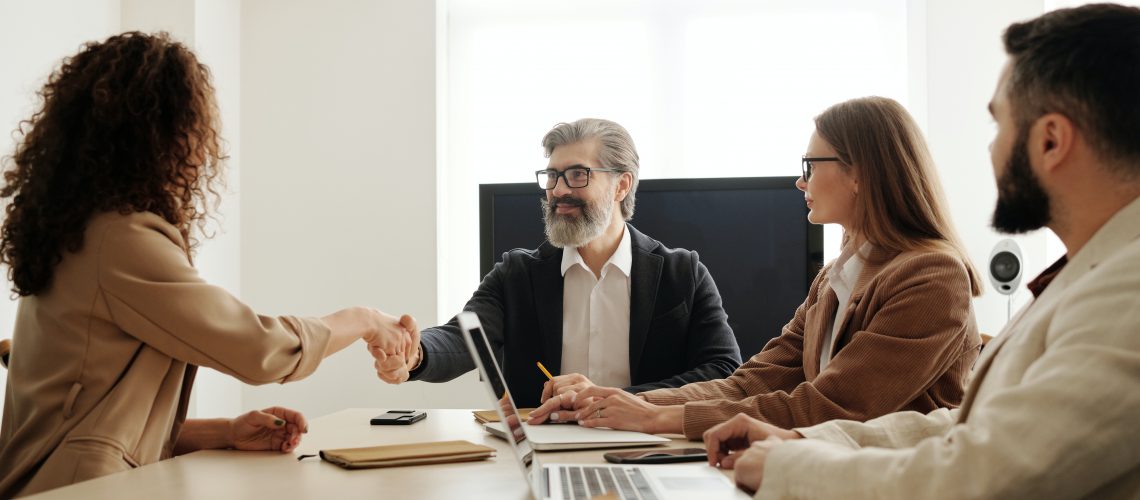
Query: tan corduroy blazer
[1053, 410]
[907, 342]
[103, 361]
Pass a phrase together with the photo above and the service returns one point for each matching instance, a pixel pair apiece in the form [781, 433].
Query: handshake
[393, 342]
[396, 348]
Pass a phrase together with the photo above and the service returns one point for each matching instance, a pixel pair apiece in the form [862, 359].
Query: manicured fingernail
[278, 422]
[577, 416]
[573, 397]
[554, 416]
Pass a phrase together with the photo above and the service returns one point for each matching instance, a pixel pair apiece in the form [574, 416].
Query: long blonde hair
[900, 205]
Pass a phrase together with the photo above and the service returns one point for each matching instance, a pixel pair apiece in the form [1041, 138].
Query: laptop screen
[493, 380]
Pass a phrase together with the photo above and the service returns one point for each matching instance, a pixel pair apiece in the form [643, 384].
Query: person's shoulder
[520, 255]
[932, 259]
[1118, 272]
[132, 229]
[641, 242]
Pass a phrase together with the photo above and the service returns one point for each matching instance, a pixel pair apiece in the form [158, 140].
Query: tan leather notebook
[407, 454]
[485, 416]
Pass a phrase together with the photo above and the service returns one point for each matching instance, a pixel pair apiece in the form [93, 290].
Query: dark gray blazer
[678, 331]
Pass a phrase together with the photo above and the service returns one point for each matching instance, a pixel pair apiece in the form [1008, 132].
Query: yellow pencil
[545, 371]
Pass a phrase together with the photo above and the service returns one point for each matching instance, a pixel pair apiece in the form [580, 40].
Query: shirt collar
[1041, 282]
[622, 259]
[845, 266]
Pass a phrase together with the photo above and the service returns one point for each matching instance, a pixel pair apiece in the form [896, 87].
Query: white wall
[338, 182]
[962, 68]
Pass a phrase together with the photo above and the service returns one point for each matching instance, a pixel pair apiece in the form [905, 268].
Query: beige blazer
[907, 342]
[1052, 412]
[103, 362]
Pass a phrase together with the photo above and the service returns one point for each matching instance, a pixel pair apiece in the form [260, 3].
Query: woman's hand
[378, 329]
[273, 428]
[617, 409]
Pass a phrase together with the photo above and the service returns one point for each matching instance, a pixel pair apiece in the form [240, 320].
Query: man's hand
[273, 429]
[726, 441]
[569, 382]
[617, 409]
[559, 408]
[750, 466]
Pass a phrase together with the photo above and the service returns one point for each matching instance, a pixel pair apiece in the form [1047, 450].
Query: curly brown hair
[129, 124]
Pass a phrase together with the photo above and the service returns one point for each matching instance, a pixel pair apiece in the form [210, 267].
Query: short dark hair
[1084, 63]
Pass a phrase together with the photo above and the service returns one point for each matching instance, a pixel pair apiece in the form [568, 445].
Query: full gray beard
[569, 231]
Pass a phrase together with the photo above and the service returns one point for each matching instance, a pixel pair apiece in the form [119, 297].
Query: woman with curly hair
[112, 178]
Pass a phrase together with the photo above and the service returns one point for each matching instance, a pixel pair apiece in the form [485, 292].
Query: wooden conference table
[220, 474]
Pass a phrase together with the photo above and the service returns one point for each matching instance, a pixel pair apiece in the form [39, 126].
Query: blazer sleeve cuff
[829, 432]
[804, 468]
[700, 416]
[314, 336]
[664, 397]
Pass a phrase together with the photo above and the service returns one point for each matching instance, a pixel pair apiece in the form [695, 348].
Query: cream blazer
[103, 361]
[1053, 410]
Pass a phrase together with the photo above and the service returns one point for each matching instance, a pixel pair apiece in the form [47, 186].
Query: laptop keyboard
[582, 483]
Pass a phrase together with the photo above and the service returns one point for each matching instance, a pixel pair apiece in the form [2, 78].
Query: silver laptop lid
[480, 349]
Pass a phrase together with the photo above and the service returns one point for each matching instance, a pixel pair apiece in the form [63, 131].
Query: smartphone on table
[399, 417]
[657, 456]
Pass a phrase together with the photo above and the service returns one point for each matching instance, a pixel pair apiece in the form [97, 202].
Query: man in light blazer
[598, 301]
[1053, 410]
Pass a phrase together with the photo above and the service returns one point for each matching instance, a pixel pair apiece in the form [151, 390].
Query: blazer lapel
[546, 282]
[873, 264]
[816, 321]
[645, 278]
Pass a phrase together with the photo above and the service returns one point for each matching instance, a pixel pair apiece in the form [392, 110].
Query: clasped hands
[573, 398]
[395, 347]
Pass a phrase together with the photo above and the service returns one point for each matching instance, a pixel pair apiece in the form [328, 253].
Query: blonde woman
[887, 326]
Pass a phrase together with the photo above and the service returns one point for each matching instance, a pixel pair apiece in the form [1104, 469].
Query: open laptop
[583, 481]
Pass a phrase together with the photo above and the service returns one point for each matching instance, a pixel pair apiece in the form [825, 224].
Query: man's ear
[625, 184]
[1053, 140]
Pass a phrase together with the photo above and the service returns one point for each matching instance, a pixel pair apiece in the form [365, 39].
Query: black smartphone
[657, 456]
[399, 417]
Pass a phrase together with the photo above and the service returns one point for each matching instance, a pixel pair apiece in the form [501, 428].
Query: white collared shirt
[595, 316]
[842, 278]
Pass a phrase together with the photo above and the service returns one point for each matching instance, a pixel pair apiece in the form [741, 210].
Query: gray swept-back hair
[617, 150]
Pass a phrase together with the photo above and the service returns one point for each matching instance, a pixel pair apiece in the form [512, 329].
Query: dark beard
[1022, 203]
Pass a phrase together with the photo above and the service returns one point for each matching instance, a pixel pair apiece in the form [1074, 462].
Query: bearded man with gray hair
[598, 301]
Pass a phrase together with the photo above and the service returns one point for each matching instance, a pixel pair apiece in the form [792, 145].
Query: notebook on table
[584, 481]
[440, 452]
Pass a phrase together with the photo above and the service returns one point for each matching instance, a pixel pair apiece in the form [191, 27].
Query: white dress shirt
[595, 316]
[842, 277]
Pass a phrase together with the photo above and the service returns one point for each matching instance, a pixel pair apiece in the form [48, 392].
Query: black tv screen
[751, 232]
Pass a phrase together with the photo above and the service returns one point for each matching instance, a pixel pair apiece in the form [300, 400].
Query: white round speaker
[1005, 267]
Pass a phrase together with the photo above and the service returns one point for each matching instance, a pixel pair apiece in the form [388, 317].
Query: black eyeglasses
[575, 177]
[807, 163]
